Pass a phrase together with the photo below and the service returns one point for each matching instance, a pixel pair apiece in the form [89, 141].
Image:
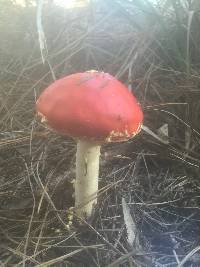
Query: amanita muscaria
[94, 108]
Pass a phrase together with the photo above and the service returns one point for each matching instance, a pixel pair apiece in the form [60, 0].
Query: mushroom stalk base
[87, 173]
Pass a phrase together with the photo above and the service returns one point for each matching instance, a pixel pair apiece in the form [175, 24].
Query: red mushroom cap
[91, 105]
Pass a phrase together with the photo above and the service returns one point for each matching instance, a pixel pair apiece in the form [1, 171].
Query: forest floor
[158, 180]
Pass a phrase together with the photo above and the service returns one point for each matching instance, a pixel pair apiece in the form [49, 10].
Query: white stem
[87, 173]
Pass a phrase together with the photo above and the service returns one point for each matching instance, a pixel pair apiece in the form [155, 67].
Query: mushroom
[94, 108]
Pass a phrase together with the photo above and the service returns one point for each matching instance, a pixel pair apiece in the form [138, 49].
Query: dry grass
[154, 50]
